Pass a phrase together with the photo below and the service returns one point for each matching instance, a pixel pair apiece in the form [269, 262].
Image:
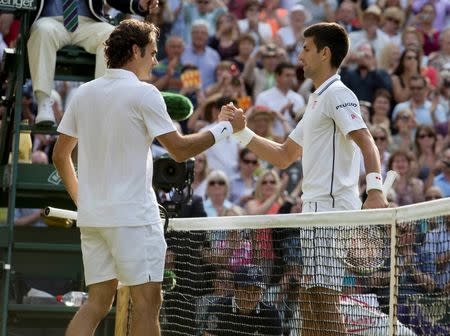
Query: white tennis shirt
[331, 160]
[115, 118]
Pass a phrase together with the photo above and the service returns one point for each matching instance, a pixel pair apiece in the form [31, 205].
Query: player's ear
[325, 53]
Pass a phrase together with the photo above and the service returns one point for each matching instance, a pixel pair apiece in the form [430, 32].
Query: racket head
[366, 248]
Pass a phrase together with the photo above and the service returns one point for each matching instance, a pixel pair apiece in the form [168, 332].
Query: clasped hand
[234, 115]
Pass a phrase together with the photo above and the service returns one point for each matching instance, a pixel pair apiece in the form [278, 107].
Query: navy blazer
[96, 7]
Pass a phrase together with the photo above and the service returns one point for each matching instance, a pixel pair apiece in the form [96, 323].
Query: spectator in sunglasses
[425, 144]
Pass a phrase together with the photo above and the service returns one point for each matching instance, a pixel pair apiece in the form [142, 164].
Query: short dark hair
[331, 35]
[418, 77]
[283, 65]
[119, 45]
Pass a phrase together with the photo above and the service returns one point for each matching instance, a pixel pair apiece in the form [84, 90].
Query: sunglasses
[421, 136]
[382, 138]
[253, 162]
[268, 182]
[404, 117]
[221, 183]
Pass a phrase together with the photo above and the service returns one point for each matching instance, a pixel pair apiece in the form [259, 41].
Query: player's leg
[307, 317]
[146, 299]
[139, 253]
[97, 306]
[100, 277]
[328, 320]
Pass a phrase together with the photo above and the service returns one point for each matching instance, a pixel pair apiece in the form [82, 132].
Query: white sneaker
[45, 116]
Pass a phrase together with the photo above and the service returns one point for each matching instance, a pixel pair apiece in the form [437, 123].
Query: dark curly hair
[119, 46]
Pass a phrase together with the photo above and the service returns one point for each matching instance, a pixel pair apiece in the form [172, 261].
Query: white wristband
[244, 136]
[374, 181]
[221, 131]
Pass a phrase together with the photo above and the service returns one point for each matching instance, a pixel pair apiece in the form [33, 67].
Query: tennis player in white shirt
[327, 140]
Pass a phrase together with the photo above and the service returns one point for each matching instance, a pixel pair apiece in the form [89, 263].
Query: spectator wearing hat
[392, 22]
[260, 120]
[260, 79]
[244, 313]
[370, 33]
[282, 99]
[290, 37]
[366, 79]
[260, 31]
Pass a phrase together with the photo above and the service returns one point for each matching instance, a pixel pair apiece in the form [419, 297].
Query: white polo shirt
[331, 160]
[115, 118]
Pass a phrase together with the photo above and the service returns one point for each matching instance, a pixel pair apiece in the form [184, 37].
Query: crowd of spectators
[245, 51]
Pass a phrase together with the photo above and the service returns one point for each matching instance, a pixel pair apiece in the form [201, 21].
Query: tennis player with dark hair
[327, 139]
[114, 120]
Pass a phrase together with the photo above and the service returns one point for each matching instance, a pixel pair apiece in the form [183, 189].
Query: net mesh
[311, 274]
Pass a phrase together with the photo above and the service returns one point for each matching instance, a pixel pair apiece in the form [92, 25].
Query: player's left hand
[375, 200]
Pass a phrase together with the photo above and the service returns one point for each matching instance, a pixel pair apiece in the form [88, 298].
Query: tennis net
[248, 275]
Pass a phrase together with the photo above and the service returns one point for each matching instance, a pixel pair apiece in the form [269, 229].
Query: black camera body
[172, 183]
[169, 174]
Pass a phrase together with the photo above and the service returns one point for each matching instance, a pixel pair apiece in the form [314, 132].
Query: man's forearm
[66, 171]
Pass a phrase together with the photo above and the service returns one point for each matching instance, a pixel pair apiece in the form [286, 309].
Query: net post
[393, 280]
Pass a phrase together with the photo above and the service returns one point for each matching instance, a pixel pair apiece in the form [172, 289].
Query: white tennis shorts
[322, 251]
[134, 255]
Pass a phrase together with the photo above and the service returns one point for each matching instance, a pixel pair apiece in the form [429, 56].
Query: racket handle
[389, 181]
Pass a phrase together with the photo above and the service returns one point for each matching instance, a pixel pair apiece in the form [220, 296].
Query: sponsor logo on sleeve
[346, 105]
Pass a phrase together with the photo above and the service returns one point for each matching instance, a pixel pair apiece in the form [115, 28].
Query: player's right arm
[183, 147]
[281, 155]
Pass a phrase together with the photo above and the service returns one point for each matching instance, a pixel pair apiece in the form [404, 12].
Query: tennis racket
[366, 246]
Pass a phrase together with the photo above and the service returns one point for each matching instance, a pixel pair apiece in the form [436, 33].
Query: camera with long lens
[172, 183]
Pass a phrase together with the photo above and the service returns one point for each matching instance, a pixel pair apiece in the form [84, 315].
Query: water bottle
[73, 299]
[25, 144]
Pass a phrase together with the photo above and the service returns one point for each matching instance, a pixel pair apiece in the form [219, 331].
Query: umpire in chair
[70, 22]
